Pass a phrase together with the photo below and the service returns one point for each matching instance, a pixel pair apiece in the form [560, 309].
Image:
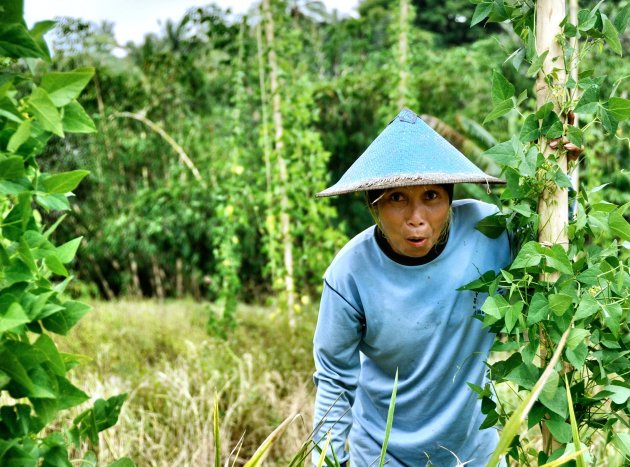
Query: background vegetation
[193, 194]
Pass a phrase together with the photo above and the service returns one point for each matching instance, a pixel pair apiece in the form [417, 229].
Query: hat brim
[408, 180]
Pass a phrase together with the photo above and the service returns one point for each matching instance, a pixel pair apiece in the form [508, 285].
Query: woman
[390, 304]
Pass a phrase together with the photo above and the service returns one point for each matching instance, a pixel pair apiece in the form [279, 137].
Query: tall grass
[162, 356]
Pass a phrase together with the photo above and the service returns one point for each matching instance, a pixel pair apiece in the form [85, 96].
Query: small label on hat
[408, 116]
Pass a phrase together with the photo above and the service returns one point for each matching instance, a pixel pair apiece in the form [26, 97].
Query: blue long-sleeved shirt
[378, 315]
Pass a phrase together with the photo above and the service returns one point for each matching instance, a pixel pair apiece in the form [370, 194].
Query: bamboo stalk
[403, 52]
[553, 204]
[285, 221]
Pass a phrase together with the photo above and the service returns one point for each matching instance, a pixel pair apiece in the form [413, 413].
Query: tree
[33, 274]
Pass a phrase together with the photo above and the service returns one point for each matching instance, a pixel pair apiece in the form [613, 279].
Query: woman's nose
[416, 214]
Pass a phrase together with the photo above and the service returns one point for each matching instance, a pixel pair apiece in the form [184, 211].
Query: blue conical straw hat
[408, 152]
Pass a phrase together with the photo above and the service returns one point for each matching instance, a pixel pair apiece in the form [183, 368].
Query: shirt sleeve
[337, 366]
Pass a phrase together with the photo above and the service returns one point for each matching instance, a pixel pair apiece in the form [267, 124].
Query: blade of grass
[514, 423]
[390, 421]
[579, 461]
[322, 458]
[217, 435]
[235, 452]
[263, 449]
[565, 459]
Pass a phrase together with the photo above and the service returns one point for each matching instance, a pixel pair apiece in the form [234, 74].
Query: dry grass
[162, 356]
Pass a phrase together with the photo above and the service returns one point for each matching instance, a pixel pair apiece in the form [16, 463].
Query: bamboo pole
[276, 103]
[403, 52]
[553, 204]
[574, 171]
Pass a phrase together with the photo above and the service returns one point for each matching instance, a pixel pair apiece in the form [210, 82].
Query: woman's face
[412, 218]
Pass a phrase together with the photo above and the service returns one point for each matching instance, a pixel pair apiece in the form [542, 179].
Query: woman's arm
[336, 352]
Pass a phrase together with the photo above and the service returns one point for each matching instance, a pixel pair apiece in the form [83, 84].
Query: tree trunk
[285, 222]
[553, 203]
[157, 280]
[135, 279]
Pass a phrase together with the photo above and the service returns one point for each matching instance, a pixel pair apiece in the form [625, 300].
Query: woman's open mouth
[417, 241]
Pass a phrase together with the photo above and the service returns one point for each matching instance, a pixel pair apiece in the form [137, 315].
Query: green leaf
[537, 63]
[538, 309]
[575, 136]
[499, 110]
[502, 89]
[55, 202]
[557, 404]
[11, 188]
[68, 250]
[560, 429]
[544, 110]
[587, 19]
[622, 442]
[64, 87]
[16, 42]
[530, 255]
[69, 395]
[622, 19]
[48, 348]
[530, 130]
[619, 392]
[618, 225]
[557, 259]
[577, 337]
[492, 226]
[11, 167]
[76, 120]
[577, 356]
[512, 315]
[552, 126]
[13, 318]
[611, 35]
[495, 306]
[503, 153]
[523, 209]
[619, 108]
[54, 264]
[482, 11]
[588, 306]
[551, 386]
[61, 322]
[45, 112]
[609, 121]
[589, 101]
[62, 182]
[21, 135]
[524, 375]
[559, 303]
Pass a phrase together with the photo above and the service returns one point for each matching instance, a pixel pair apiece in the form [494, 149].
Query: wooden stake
[285, 223]
[553, 204]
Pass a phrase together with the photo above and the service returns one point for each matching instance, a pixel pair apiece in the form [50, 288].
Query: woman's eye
[396, 197]
[431, 194]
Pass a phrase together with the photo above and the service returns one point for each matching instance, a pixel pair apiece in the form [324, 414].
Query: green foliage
[33, 274]
[549, 290]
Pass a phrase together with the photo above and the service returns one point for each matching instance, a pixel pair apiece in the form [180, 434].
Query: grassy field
[162, 356]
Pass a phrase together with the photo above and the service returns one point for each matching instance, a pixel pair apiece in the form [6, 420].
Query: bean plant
[580, 290]
[36, 105]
